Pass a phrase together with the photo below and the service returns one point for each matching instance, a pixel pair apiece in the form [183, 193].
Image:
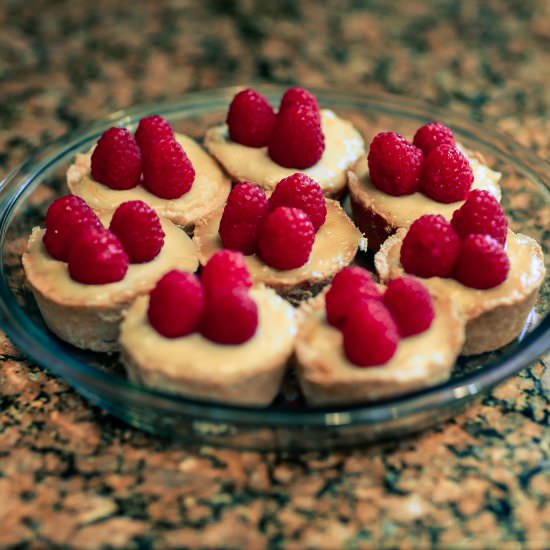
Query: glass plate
[287, 424]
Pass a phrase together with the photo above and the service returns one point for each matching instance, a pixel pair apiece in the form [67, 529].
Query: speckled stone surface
[73, 477]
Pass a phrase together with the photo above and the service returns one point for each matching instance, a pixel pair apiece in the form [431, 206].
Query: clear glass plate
[287, 424]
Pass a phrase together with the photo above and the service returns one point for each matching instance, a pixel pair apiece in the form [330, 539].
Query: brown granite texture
[73, 477]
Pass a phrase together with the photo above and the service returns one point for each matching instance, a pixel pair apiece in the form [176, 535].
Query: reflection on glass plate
[288, 423]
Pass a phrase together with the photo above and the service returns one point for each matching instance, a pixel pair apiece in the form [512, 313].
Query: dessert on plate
[83, 275]
[490, 272]
[170, 172]
[294, 242]
[400, 181]
[211, 338]
[359, 341]
[262, 147]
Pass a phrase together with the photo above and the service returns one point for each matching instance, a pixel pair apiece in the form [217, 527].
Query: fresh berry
[167, 171]
[153, 128]
[430, 247]
[116, 160]
[176, 304]
[64, 218]
[349, 286]
[370, 335]
[299, 96]
[301, 191]
[225, 269]
[410, 304]
[297, 140]
[447, 175]
[481, 213]
[230, 318]
[139, 230]
[395, 164]
[250, 119]
[482, 262]
[97, 257]
[245, 209]
[286, 238]
[431, 135]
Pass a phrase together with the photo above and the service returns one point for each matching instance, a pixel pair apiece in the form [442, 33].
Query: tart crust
[247, 374]
[379, 215]
[88, 316]
[494, 317]
[335, 246]
[327, 377]
[343, 146]
[208, 192]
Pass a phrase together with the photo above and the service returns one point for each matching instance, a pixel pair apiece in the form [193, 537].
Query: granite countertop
[73, 476]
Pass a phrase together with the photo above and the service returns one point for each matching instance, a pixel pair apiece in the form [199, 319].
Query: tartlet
[247, 374]
[88, 315]
[208, 192]
[343, 146]
[494, 316]
[327, 377]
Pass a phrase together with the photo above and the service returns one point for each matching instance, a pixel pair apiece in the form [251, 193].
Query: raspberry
[153, 128]
[430, 247]
[482, 262]
[225, 269]
[447, 175]
[481, 213]
[395, 165]
[139, 230]
[231, 318]
[167, 171]
[431, 135]
[300, 96]
[97, 257]
[286, 238]
[246, 207]
[410, 304]
[64, 218]
[297, 140]
[370, 335]
[176, 304]
[250, 119]
[116, 160]
[300, 191]
[349, 286]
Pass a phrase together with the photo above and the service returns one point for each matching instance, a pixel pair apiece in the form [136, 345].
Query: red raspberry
[300, 96]
[297, 140]
[116, 160]
[167, 171]
[230, 318]
[395, 165]
[430, 247]
[286, 238]
[153, 128]
[64, 218]
[349, 286]
[250, 119]
[410, 304]
[225, 269]
[431, 135]
[245, 209]
[370, 335]
[481, 213]
[447, 175]
[97, 257]
[176, 304]
[139, 230]
[482, 262]
[301, 191]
